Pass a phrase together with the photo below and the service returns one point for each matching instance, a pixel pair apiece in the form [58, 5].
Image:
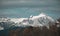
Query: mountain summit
[42, 20]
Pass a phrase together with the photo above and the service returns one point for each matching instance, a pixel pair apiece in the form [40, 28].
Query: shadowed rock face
[35, 31]
[58, 19]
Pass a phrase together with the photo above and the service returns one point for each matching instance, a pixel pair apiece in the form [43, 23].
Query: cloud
[22, 2]
[30, 3]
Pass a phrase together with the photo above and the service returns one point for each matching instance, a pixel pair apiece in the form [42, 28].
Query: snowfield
[35, 21]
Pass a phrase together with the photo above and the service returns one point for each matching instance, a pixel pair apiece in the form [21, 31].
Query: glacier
[35, 21]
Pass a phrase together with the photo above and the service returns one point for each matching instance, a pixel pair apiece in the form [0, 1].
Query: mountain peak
[42, 14]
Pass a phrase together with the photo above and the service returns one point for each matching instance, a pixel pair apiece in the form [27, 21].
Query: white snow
[37, 21]
[1, 28]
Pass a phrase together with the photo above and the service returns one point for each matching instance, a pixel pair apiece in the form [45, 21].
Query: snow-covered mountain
[40, 20]
[35, 21]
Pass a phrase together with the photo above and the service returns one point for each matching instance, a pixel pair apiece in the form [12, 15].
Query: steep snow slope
[43, 19]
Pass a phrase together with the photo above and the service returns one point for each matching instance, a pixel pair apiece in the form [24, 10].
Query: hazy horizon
[25, 8]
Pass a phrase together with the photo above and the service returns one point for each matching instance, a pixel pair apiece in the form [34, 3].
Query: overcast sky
[44, 3]
[18, 7]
